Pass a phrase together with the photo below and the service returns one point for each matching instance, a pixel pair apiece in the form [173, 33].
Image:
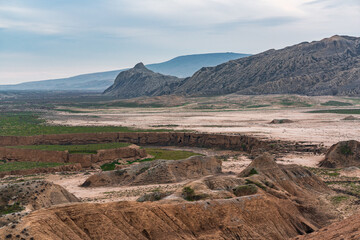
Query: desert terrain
[219, 174]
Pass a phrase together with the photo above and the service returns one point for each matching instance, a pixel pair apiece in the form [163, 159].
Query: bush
[109, 166]
[244, 190]
[189, 194]
[252, 172]
[345, 150]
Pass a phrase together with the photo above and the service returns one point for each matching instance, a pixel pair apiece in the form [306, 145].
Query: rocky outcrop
[327, 67]
[351, 118]
[156, 172]
[281, 121]
[140, 81]
[344, 229]
[342, 154]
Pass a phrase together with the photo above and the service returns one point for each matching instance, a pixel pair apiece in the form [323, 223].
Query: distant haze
[182, 66]
[42, 39]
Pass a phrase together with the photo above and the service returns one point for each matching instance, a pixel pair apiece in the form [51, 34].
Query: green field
[338, 111]
[82, 149]
[12, 166]
[28, 124]
[336, 103]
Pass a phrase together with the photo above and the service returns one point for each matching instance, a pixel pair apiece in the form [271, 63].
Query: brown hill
[327, 67]
[159, 171]
[140, 81]
[342, 154]
[31, 195]
[348, 229]
[272, 212]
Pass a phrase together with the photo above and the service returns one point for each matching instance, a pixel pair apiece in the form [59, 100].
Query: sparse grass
[336, 103]
[16, 207]
[345, 150]
[248, 181]
[258, 106]
[13, 166]
[109, 166]
[338, 199]
[244, 190]
[165, 155]
[325, 172]
[337, 111]
[294, 102]
[28, 124]
[81, 149]
[169, 154]
[69, 110]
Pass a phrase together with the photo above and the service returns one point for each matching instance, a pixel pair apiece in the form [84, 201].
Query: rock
[342, 154]
[351, 118]
[140, 81]
[281, 121]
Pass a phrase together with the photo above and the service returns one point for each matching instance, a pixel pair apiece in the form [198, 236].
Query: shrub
[248, 181]
[189, 194]
[244, 190]
[345, 150]
[252, 172]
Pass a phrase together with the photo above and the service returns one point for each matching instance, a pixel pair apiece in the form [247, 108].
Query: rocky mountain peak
[140, 66]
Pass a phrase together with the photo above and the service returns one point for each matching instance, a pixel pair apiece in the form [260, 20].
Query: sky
[46, 39]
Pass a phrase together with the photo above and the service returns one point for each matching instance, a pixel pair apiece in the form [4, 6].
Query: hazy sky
[43, 39]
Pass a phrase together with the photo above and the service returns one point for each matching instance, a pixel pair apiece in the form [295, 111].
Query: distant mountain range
[327, 67]
[183, 66]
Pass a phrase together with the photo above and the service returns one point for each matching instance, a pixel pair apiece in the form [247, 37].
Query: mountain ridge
[327, 67]
[100, 81]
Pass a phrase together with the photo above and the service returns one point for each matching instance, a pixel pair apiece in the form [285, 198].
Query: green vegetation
[244, 190]
[293, 102]
[336, 103]
[258, 106]
[252, 172]
[81, 149]
[248, 181]
[189, 194]
[345, 150]
[12, 166]
[16, 207]
[337, 111]
[165, 155]
[69, 110]
[123, 104]
[324, 171]
[338, 199]
[28, 124]
[109, 166]
[169, 154]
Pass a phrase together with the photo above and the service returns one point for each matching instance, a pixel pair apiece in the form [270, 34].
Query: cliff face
[327, 67]
[140, 81]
